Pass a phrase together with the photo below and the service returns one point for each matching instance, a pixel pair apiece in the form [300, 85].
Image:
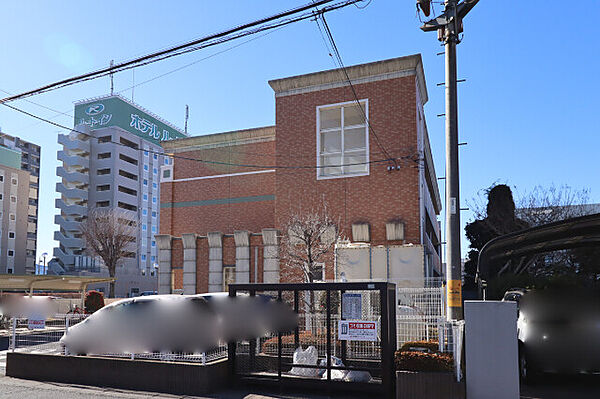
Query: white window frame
[364, 101]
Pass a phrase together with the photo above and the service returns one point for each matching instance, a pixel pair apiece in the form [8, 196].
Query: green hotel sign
[115, 111]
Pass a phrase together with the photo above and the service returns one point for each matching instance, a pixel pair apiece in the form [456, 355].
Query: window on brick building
[228, 277]
[342, 139]
[317, 272]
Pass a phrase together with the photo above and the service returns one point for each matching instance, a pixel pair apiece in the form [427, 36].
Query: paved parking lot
[559, 387]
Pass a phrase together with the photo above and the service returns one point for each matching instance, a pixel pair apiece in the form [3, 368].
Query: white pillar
[215, 262]
[164, 262]
[189, 264]
[242, 256]
[270, 256]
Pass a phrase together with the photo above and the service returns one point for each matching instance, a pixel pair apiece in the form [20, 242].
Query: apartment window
[12, 216]
[11, 253]
[1, 196]
[15, 181]
[146, 153]
[11, 234]
[166, 173]
[127, 175]
[153, 214]
[143, 257]
[13, 199]
[128, 159]
[153, 230]
[128, 143]
[103, 187]
[154, 170]
[101, 172]
[104, 139]
[102, 204]
[127, 190]
[154, 200]
[166, 161]
[145, 182]
[342, 139]
[129, 207]
[153, 243]
[145, 197]
[104, 155]
[153, 258]
[155, 156]
[154, 185]
[144, 227]
[1, 178]
[144, 212]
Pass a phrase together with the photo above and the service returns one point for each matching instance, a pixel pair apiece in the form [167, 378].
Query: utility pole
[449, 26]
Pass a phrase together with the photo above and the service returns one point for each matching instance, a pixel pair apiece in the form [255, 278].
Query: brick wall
[189, 206]
[379, 197]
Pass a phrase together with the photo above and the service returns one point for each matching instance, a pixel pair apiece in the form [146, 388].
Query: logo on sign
[94, 109]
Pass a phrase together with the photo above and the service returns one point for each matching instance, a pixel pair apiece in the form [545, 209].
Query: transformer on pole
[449, 25]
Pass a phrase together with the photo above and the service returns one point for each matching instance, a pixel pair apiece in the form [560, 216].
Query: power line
[345, 72]
[67, 113]
[263, 24]
[171, 155]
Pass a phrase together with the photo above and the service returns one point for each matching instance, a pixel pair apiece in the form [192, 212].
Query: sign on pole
[352, 306]
[359, 330]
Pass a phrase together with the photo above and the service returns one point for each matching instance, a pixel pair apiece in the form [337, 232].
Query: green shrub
[423, 356]
[431, 346]
[423, 361]
[94, 301]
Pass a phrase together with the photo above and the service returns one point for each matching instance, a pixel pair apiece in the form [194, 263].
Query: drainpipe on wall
[387, 261]
[370, 262]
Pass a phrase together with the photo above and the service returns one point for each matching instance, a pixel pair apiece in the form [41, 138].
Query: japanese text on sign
[357, 330]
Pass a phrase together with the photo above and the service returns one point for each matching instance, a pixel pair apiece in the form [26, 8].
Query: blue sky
[529, 108]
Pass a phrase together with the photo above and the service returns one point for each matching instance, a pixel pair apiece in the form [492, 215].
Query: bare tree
[543, 205]
[107, 234]
[309, 239]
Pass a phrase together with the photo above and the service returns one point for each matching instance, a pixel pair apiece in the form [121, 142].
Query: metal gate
[351, 327]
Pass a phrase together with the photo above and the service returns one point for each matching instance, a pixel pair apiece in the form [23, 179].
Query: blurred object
[94, 301]
[187, 324]
[558, 330]
[26, 306]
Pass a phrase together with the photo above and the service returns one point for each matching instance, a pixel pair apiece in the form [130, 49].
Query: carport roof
[571, 233]
[49, 283]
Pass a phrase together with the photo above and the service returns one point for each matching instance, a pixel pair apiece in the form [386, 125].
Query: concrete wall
[150, 376]
[401, 264]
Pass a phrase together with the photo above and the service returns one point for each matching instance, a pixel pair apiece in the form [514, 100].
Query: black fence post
[328, 354]
[279, 365]
[344, 343]
[252, 343]
[297, 329]
[231, 345]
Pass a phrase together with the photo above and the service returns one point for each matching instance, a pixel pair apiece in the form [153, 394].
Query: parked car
[176, 323]
[558, 331]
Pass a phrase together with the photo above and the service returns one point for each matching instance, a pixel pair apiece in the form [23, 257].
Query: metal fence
[322, 309]
[46, 341]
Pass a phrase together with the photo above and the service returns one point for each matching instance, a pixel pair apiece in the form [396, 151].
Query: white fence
[46, 341]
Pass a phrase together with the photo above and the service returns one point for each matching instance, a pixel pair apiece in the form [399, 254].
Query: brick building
[226, 196]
